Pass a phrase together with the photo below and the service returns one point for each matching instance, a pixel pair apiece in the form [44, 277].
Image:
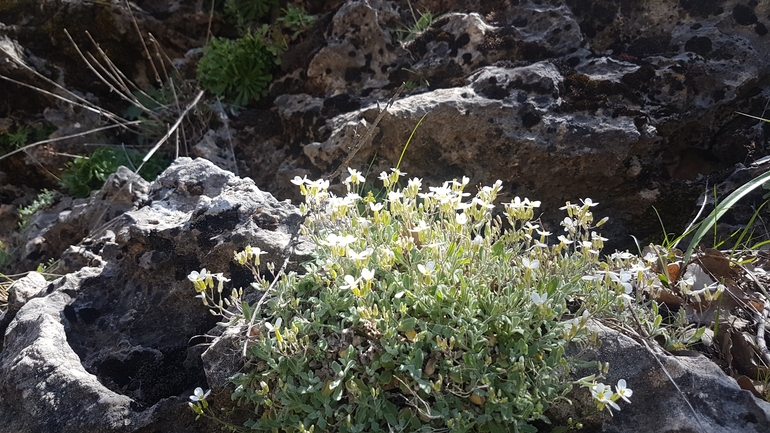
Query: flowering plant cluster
[424, 310]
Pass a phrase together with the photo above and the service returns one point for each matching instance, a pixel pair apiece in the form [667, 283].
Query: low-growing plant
[246, 13]
[296, 20]
[86, 174]
[239, 70]
[21, 135]
[419, 312]
[420, 25]
[42, 201]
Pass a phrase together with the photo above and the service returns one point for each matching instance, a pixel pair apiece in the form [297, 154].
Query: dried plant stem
[761, 318]
[369, 134]
[171, 130]
[80, 134]
[84, 104]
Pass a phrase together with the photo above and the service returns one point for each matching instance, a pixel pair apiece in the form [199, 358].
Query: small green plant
[239, 70]
[420, 311]
[246, 13]
[419, 27]
[42, 201]
[16, 139]
[86, 174]
[296, 20]
[21, 135]
[5, 258]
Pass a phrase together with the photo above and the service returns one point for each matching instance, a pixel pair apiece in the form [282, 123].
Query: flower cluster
[204, 280]
[419, 292]
[605, 398]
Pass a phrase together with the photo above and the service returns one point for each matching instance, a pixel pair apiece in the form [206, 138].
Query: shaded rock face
[117, 346]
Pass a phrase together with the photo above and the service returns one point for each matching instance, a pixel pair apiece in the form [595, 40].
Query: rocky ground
[632, 104]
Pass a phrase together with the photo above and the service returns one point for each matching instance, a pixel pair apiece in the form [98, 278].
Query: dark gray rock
[52, 231]
[508, 124]
[117, 347]
[641, 104]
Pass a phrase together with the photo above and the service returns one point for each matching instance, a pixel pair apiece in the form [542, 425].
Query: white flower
[351, 283]
[360, 257]
[248, 254]
[569, 224]
[414, 182]
[367, 274]
[413, 187]
[201, 280]
[625, 255]
[334, 240]
[461, 218]
[355, 177]
[530, 264]
[277, 326]
[588, 202]
[622, 391]
[221, 279]
[199, 395]
[427, 269]
[537, 299]
[650, 257]
[320, 184]
[385, 179]
[603, 394]
[197, 277]
[597, 237]
[376, 207]
[421, 226]
[564, 240]
[299, 180]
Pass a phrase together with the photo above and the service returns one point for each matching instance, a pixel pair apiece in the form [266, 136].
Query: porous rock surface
[628, 103]
[116, 346]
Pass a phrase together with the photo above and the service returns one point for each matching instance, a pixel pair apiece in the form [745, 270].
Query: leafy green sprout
[415, 299]
[296, 20]
[239, 70]
[42, 201]
[87, 173]
[21, 135]
[419, 27]
[245, 14]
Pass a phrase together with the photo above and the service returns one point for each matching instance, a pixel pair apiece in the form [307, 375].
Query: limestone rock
[52, 231]
[117, 346]
[508, 124]
[637, 104]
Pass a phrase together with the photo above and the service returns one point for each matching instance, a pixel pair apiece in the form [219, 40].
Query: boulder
[116, 346]
[636, 107]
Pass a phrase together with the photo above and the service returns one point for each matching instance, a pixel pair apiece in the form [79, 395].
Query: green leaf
[407, 324]
[720, 210]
